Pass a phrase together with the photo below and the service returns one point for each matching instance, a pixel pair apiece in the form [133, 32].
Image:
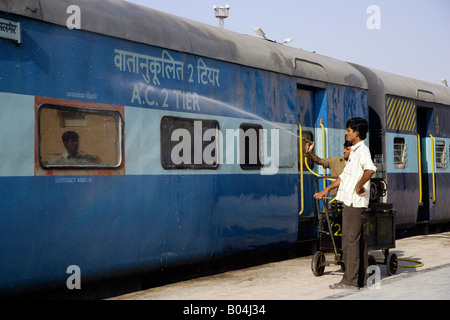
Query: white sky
[413, 39]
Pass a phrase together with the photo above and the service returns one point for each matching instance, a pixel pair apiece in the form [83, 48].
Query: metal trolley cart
[379, 230]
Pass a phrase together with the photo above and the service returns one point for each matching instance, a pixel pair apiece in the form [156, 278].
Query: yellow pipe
[418, 265]
[432, 168]
[307, 166]
[420, 168]
[316, 174]
[300, 147]
[323, 150]
[330, 179]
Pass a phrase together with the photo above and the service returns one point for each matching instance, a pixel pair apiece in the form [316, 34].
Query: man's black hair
[358, 124]
[347, 144]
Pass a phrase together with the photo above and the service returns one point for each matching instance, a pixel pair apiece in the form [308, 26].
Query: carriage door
[427, 182]
[305, 117]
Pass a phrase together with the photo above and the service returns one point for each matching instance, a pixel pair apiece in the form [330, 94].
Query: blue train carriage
[117, 157]
[410, 141]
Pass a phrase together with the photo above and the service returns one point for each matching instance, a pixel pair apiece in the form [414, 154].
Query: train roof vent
[310, 69]
[425, 95]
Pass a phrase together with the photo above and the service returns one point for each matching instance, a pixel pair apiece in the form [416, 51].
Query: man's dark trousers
[354, 247]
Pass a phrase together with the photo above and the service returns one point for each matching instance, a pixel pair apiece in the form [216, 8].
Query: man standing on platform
[354, 192]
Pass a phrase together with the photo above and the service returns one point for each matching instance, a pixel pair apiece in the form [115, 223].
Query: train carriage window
[399, 153]
[189, 143]
[441, 156]
[79, 138]
[250, 141]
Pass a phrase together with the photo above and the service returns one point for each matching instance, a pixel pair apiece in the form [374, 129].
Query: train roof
[383, 83]
[132, 22]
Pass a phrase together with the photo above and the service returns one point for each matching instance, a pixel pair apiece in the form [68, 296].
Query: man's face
[351, 135]
[71, 146]
[347, 152]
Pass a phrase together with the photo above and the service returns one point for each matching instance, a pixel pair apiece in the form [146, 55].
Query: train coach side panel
[138, 216]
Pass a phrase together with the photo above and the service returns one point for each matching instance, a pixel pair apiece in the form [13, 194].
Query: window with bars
[399, 153]
[441, 155]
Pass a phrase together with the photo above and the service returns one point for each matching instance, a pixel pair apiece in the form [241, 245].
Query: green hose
[419, 264]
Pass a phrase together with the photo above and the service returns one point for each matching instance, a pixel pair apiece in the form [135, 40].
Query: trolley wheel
[391, 264]
[318, 263]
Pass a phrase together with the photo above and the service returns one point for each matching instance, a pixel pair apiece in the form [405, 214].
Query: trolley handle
[321, 177]
[316, 189]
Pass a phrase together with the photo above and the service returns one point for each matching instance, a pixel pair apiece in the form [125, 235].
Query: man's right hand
[309, 147]
[320, 195]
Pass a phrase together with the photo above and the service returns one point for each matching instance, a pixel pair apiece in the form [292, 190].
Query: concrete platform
[293, 280]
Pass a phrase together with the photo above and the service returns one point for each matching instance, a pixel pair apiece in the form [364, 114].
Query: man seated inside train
[72, 156]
